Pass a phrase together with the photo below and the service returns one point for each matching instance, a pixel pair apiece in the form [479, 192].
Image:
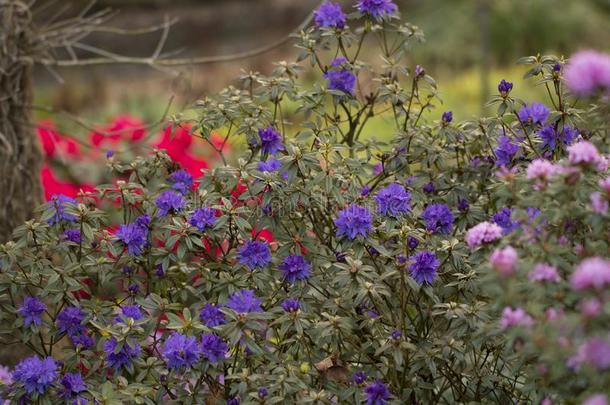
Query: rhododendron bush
[457, 263]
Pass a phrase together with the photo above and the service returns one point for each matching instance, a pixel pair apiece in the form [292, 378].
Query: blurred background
[470, 45]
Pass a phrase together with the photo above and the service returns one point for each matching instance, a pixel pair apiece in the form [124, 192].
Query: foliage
[322, 267]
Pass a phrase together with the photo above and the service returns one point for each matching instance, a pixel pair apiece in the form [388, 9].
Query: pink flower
[504, 260]
[588, 72]
[485, 232]
[599, 204]
[541, 169]
[515, 317]
[544, 272]
[596, 399]
[553, 314]
[593, 272]
[605, 185]
[590, 308]
[595, 351]
[583, 153]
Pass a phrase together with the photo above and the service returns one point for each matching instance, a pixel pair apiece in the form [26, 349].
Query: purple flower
[377, 393]
[359, 377]
[271, 140]
[70, 320]
[598, 203]
[35, 374]
[396, 335]
[133, 288]
[412, 242]
[254, 254]
[588, 72]
[504, 260]
[340, 78]
[244, 301]
[30, 310]
[438, 218]
[291, 305]
[544, 272]
[329, 14]
[123, 357]
[129, 311]
[595, 351]
[271, 165]
[109, 154]
[180, 351]
[551, 138]
[170, 202]
[83, 340]
[72, 235]
[429, 188]
[447, 117]
[353, 221]
[583, 153]
[211, 316]
[203, 218]
[593, 272]
[365, 191]
[503, 219]
[59, 202]
[6, 377]
[213, 348]
[295, 268]
[233, 401]
[515, 317]
[462, 204]
[535, 113]
[504, 87]
[596, 399]
[377, 8]
[541, 169]
[423, 267]
[262, 392]
[135, 235]
[393, 200]
[484, 232]
[181, 180]
[73, 385]
[419, 71]
[505, 151]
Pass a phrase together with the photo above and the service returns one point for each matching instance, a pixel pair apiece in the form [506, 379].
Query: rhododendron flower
[377, 8]
[423, 267]
[515, 317]
[504, 260]
[593, 272]
[599, 203]
[438, 218]
[596, 399]
[485, 232]
[329, 14]
[35, 374]
[377, 393]
[393, 200]
[595, 352]
[541, 169]
[583, 153]
[590, 308]
[254, 254]
[588, 72]
[122, 127]
[353, 221]
[340, 77]
[544, 272]
[535, 113]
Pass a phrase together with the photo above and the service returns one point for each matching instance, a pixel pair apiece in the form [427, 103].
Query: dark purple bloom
[535, 113]
[262, 392]
[557, 67]
[412, 242]
[462, 204]
[295, 268]
[73, 385]
[211, 316]
[423, 267]
[135, 235]
[365, 191]
[438, 218]
[244, 301]
[396, 334]
[159, 271]
[122, 358]
[83, 340]
[59, 203]
[72, 235]
[127, 270]
[353, 221]
[340, 78]
[202, 218]
[359, 377]
[70, 321]
[181, 180]
[393, 200]
[447, 117]
[329, 14]
[130, 311]
[271, 140]
[35, 374]
[271, 165]
[109, 154]
[213, 348]
[505, 87]
[291, 305]
[429, 188]
[254, 254]
[180, 351]
[233, 401]
[506, 151]
[503, 219]
[419, 71]
[30, 310]
[133, 288]
[170, 202]
[377, 8]
[377, 393]
[551, 138]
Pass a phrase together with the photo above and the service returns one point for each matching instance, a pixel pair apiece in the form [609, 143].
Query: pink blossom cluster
[485, 232]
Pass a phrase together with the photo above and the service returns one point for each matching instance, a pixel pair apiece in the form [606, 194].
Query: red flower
[52, 185]
[122, 127]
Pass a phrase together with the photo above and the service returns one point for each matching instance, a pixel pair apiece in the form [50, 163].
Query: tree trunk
[20, 155]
